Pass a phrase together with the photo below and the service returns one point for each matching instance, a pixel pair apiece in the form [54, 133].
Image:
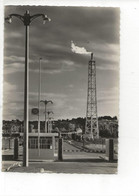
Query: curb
[72, 150]
[85, 150]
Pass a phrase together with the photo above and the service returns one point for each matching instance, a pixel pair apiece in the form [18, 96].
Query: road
[71, 152]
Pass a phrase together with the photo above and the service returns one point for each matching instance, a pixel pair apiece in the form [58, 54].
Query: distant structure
[91, 126]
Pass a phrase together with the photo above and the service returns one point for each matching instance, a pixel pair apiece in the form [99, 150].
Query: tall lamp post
[45, 103]
[49, 120]
[26, 19]
[39, 95]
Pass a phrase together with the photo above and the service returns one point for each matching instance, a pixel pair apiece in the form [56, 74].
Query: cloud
[51, 66]
[108, 95]
[70, 85]
[14, 35]
[54, 66]
[78, 50]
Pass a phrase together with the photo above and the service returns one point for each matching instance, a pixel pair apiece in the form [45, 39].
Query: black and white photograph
[61, 89]
[69, 91]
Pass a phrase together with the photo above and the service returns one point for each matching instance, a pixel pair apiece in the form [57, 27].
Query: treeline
[108, 126]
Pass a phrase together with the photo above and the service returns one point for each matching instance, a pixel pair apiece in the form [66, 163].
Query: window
[33, 143]
[45, 143]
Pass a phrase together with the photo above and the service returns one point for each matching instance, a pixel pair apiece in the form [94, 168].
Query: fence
[92, 145]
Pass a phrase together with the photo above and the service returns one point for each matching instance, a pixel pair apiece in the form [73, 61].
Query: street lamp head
[49, 19]
[50, 101]
[46, 102]
[27, 18]
[45, 18]
[8, 19]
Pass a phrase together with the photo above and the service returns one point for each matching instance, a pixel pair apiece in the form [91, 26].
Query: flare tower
[91, 125]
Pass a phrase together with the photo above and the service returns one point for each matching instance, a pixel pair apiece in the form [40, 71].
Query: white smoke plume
[78, 50]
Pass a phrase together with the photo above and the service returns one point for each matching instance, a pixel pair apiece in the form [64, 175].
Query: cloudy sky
[64, 44]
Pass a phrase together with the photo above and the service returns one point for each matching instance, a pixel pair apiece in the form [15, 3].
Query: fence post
[9, 143]
[53, 144]
[16, 146]
[110, 149]
[60, 149]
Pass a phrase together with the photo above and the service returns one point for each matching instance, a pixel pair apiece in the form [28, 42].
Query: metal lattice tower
[91, 126]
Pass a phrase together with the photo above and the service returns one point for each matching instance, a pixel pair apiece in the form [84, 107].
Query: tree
[115, 118]
[71, 127]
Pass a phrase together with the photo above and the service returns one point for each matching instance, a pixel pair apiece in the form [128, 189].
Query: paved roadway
[70, 152]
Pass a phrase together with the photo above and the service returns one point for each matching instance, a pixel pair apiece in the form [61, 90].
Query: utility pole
[91, 126]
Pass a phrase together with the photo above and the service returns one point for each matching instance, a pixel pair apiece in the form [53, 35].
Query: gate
[77, 147]
[78, 144]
